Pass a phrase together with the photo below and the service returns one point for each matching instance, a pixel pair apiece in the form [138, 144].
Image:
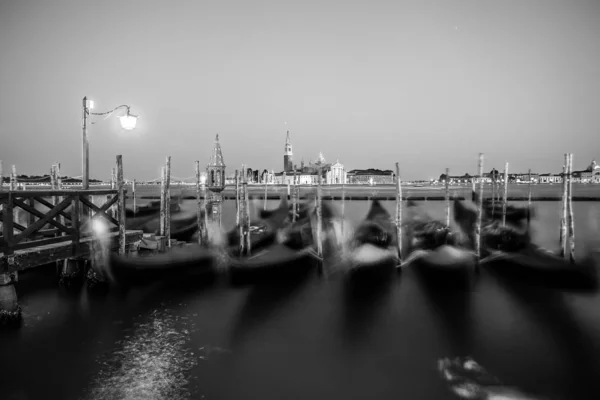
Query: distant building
[335, 174]
[370, 177]
[550, 178]
[215, 170]
[288, 155]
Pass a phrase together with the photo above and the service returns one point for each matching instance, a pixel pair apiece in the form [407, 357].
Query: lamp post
[128, 123]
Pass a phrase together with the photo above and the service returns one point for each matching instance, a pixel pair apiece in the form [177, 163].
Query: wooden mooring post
[563, 216]
[247, 216]
[133, 184]
[399, 211]
[571, 227]
[198, 204]
[1, 177]
[319, 216]
[266, 192]
[505, 195]
[447, 197]
[121, 204]
[529, 200]
[163, 195]
[479, 212]
[295, 196]
[168, 201]
[237, 198]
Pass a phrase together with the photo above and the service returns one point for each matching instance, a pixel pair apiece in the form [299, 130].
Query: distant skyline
[427, 83]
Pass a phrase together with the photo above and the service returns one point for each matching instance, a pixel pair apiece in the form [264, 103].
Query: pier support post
[10, 311]
[71, 273]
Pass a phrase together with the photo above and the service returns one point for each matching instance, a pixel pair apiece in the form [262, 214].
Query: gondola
[374, 246]
[183, 227]
[290, 254]
[437, 253]
[179, 262]
[541, 267]
[514, 214]
[263, 233]
[151, 208]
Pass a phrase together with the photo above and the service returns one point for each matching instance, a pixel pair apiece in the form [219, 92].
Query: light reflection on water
[150, 362]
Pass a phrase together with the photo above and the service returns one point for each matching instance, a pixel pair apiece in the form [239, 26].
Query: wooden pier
[62, 232]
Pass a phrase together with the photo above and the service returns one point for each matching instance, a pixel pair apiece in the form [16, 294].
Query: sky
[425, 83]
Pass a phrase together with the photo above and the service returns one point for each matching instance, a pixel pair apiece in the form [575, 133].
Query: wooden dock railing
[69, 220]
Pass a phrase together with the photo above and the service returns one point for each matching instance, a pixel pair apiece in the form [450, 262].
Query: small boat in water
[374, 246]
[537, 266]
[151, 208]
[289, 254]
[179, 262]
[436, 252]
[183, 227]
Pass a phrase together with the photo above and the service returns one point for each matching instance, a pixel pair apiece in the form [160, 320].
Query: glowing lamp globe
[128, 122]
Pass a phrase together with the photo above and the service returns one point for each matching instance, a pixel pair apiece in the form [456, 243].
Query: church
[331, 174]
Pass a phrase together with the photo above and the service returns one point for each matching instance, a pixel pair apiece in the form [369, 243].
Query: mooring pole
[529, 200]
[121, 204]
[571, 233]
[241, 216]
[447, 197]
[505, 196]
[198, 203]
[163, 195]
[399, 211]
[133, 184]
[237, 199]
[295, 196]
[168, 201]
[319, 216]
[479, 212]
[247, 216]
[265, 203]
[563, 217]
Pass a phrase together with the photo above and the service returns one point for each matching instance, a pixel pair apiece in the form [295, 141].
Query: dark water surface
[320, 338]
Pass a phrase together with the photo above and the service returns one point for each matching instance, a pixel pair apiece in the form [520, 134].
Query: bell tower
[288, 155]
[215, 170]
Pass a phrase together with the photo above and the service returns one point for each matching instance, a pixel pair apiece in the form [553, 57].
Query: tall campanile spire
[288, 163]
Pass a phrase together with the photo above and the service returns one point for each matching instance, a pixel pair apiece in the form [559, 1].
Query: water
[315, 339]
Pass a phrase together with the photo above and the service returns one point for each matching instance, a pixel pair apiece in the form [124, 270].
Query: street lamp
[128, 123]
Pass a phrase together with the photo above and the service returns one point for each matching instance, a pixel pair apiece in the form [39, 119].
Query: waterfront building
[370, 176]
[335, 175]
[215, 170]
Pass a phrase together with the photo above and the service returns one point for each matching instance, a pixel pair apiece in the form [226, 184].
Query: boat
[183, 227]
[180, 262]
[374, 246]
[289, 256]
[151, 208]
[437, 253]
[537, 266]
[277, 262]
